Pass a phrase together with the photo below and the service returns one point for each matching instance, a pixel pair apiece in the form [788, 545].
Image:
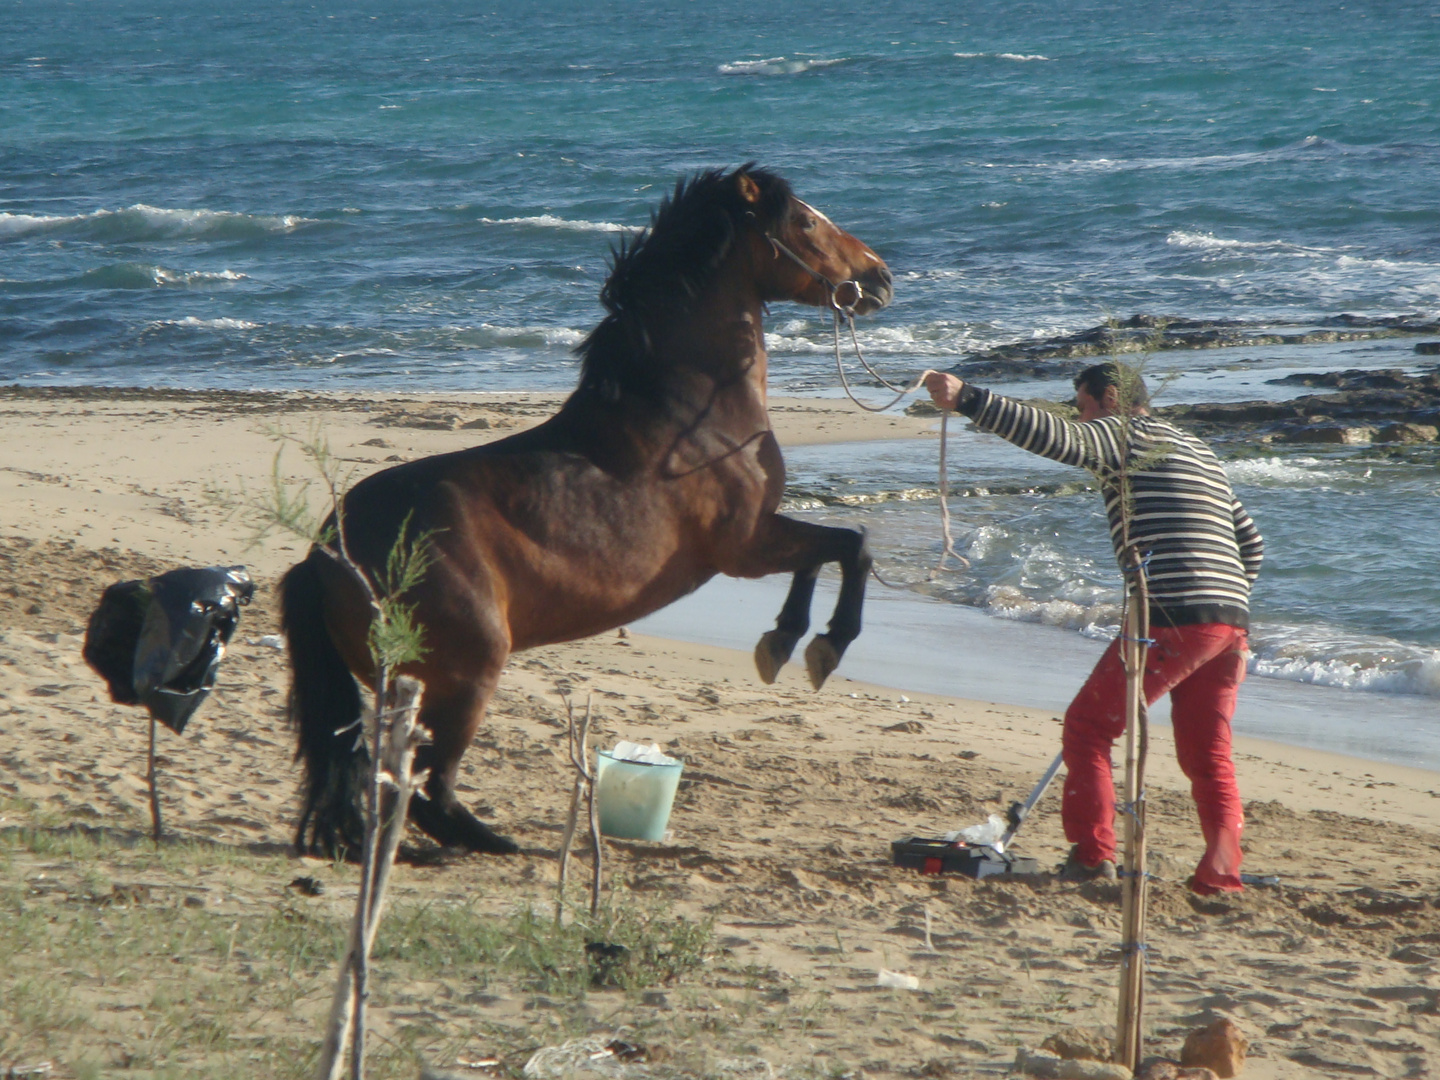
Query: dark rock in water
[1383, 401]
[1159, 333]
[1364, 405]
[1233, 412]
[1410, 324]
[1329, 433]
[1383, 379]
[1428, 348]
[1408, 433]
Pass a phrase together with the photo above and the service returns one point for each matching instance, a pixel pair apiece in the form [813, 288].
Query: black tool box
[957, 857]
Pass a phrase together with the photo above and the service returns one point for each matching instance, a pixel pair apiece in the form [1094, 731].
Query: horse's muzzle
[877, 288]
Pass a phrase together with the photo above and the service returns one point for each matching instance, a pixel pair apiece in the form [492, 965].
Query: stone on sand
[1220, 1047]
[1079, 1043]
[1050, 1066]
[1162, 1069]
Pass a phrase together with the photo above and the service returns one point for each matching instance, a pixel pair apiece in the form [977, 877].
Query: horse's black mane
[666, 267]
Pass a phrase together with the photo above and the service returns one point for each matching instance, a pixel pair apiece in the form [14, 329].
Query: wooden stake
[394, 771]
[1128, 1026]
[592, 794]
[156, 827]
[580, 758]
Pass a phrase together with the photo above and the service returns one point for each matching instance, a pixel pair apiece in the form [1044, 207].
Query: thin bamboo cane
[1129, 1021]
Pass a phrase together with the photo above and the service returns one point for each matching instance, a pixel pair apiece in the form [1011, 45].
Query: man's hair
[1129, 386]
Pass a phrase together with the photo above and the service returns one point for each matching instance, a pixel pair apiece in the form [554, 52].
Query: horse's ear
[748, 188]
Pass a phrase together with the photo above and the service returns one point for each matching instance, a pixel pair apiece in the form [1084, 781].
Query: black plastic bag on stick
[159, 642]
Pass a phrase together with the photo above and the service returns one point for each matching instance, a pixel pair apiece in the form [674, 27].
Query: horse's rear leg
[452, 718]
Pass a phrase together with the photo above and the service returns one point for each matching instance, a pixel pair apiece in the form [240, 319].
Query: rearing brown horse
[657, 473]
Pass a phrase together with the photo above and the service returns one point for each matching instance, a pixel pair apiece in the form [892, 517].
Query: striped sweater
[1204, 551]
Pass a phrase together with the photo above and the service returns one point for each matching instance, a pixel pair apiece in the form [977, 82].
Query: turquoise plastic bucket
[635, 797]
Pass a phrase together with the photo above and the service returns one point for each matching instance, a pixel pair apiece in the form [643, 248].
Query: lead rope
[943, 485]
[949, 548]
[838, 310]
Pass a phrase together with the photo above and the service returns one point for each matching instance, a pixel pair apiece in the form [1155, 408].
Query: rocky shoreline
[1357, 408]
[1363, 407]
[1164, 333]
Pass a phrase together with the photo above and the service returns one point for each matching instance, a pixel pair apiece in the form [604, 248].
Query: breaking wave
[129, 275]
[550, 221]
[190, 322]
[1278, 472]
[1377, 666]
[1022, 57]
[777, 65]
[140, 223]
[1211, 242]
[941, 339]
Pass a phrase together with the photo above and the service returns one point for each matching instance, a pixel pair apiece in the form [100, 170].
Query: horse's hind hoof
[450, 825]
[821, 659]
[773, 650]
[487, 841]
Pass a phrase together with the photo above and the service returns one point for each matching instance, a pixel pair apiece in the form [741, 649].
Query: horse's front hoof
[821, 659]
[773, 650]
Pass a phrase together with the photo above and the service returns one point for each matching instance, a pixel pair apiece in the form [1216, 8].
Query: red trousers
[1201, 667]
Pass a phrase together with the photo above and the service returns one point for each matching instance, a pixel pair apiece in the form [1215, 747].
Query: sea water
[399, 196]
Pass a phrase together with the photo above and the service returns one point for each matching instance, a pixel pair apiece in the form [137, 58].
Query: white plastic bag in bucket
[635, 788]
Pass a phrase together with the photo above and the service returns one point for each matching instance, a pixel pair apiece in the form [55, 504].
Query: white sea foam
[12, 225]
[1008, 602]
[142, 221]
[1211, 242]
[355, 354]
[984, 541]
[932, 275]
[1022, 57]
[132, 275]
[550, 221]
[1419, 675]
[777, 65]
[938, 339]
[1198, 161]
[190, 322]
[194, 277]
[554, 336]
[1278, 472]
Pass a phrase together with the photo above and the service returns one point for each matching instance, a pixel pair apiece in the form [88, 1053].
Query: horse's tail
[325, 709]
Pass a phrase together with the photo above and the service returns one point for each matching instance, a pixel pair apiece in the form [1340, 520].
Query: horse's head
[810, 259]
[734, 237]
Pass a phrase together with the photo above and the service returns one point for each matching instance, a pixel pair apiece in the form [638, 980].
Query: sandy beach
[781, 832]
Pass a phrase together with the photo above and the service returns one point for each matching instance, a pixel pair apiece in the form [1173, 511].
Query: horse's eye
[810, 222]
